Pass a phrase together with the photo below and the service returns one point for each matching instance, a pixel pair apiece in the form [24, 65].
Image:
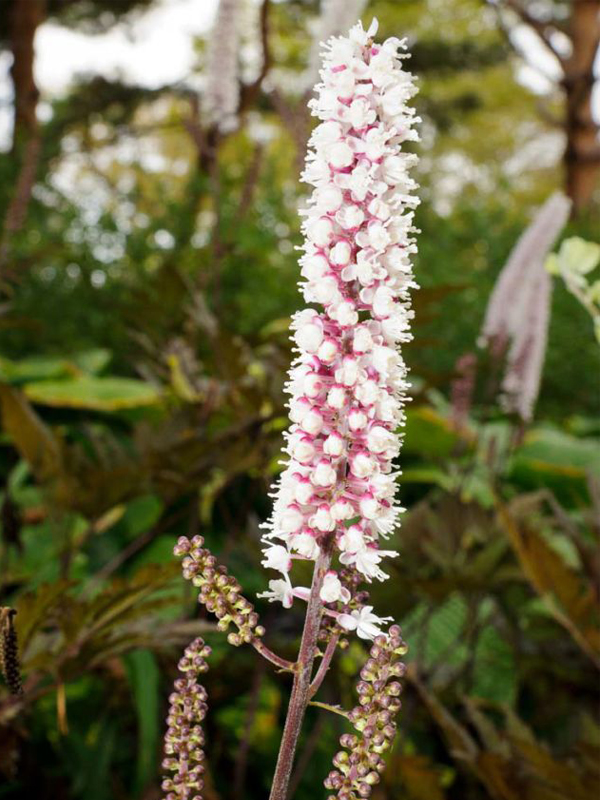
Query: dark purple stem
[324, 665]
[301, 688]
[265, 652]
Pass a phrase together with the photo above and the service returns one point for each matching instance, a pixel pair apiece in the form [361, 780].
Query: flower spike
[348, 381]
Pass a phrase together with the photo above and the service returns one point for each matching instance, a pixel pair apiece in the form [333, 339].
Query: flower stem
[301, 688]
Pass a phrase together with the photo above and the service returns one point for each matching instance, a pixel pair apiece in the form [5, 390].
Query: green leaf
[556, 460]
[445, 627]
[93, 361]
[429, 433]
[141, 514]
[36, 368]
[92, 393]
[494, 674]
[144, 677]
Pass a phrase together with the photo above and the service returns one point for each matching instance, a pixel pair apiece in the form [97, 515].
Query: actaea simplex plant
[335, 499]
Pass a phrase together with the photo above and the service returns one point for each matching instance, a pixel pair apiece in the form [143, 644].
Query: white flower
[322, 520]
[320, 231]
[364, 622]
[324, 474]
[340, 254]
[383, 302]
[379, 439]
[350, 217]
[367, 561]
[352, 540]
[312, 422]
[305, 545]
[340, 155]
[362, 341]
[221, 95]
[336, 397]
[328, 199]
[328, 351]
[361, 114]
[342, 509]
[334, 445]
[332, 589]
[291, 520]
[363, 466]
[277, 557]
[280, 591]
[309, 337]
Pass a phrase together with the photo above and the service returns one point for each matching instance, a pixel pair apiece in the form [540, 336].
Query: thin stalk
[324, 665]
[301, 688]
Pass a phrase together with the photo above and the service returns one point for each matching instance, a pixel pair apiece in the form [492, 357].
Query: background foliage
[144, 347]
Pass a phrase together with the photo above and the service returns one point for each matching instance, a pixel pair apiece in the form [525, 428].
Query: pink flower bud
[324, 474]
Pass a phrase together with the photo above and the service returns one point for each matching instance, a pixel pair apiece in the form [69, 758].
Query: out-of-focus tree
[19, 22]
[569, 32]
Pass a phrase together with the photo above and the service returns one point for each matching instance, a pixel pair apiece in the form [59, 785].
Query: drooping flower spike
[348, 381]
[184, 740]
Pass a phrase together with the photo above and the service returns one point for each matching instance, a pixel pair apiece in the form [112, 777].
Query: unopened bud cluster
[219, 591]
[360, 764]
[184, 739]
[9, 651]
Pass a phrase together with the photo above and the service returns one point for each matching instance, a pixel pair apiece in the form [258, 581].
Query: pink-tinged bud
[345, 314]
[357, 419]
[362, 341]
[328, 351]
[314, 267]
[305, 545]
[277, 557]
[320, 231]
[350, 217]
[303, 450]
[348, 373]
[336, 397]
[312, 422]
[332, 589]
[369, 507]
[342, 509]
[367, 393]
[340, 155]
[309, 337]
[304, 491]
[322, 519]
[352, 540]
[363, 465]
[384, 303]
[299, 408]
[324, 291]
[340, 254]
[324, 474]
[291, 520]
[328, 199]
[379, 439]
[385, 360]
[311, 385]
[334, 445]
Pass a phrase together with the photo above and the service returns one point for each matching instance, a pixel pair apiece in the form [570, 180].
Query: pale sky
[155, 49]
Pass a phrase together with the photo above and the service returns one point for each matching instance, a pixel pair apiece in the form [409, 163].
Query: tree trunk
[582, 152]
[24, 18]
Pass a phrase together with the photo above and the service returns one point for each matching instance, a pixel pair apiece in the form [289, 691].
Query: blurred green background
[148, 271]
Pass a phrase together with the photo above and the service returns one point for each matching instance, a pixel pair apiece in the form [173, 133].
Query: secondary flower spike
[348, 381]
